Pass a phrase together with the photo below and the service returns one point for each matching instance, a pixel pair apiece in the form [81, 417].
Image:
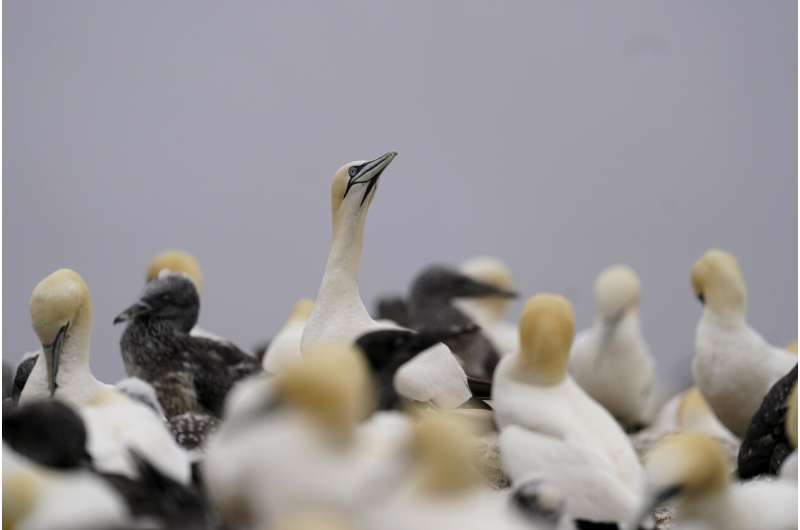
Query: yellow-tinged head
[693, 462]
[693, 409]
[444, 446]
[59, 302]
[791, 418]
[316, 520]
[21, 490]
[546, 329]
[332, 385]
[718, 283]
[354, 186]
[616, 291]
[176, 261]
[301, 310]
[492, 271]
[792, 347]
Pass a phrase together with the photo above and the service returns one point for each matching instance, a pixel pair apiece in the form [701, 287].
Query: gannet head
[354, 186]
[176, 261]
[546, 328]
[315, 520]
[616, 292]
[718, 283]
[61, 308]
[692, 465]
[791, 418]
[492, 271]
[331, 385]
[301, 310]
[443, 446]
[22, 491]
[171, 297]
[443, 283]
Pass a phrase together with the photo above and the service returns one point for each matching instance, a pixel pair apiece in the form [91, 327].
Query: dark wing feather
[21, 377]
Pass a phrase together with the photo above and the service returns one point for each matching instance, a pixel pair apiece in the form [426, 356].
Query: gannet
[61, 314]
[51, 434]
[443, 488]
[182, 262]
[285, 346]
[386, 350]
[694, 469]
[191, 375]
[552, 430]
[300, 449]
[611, 360]
[765, 444]
[687, 411]
[433, 292]
[339, 314]
[37, 498]
[490, 312]
[734, 367]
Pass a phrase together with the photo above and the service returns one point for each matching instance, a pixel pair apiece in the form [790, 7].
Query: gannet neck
[79, 336]
[340, 280]
[725, 318]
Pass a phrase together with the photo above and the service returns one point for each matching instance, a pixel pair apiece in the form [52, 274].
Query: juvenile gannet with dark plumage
[611, 360]
[552, 430]
[693, 469]
[431, 304]
[191, 375]
[734, 367]
[490, 312]
[765, 444]
[339, 315]
[182, 262]
[300, 448]
[285, 345]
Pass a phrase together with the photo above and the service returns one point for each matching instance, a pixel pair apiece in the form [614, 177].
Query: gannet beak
[701, 298]
[52, 356]
[470, 288]
[369, 173]
[139, 308]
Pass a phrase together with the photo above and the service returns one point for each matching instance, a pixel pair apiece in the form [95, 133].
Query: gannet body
[301, 449]
[694, 469]
[285, 346]
[532, 392]
[734, 367]
[339, 314]
[611, 360]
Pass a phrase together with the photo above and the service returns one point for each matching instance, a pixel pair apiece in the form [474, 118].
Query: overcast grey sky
[560, 136]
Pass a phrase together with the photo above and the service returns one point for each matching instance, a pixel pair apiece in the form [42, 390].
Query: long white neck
[76, 350]
[732, 317]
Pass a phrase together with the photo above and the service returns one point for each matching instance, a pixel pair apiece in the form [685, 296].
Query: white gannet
[734, 367]
[693, 468]
[689, 411]
[300, 448]
[611, 360]
[61, 314]
[552, 430]
[443, 489]
[40, 498]
[339, 313]
[285, 345]
[182, 262]
[490, 313]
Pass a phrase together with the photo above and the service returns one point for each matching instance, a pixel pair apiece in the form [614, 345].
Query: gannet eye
[353, 171]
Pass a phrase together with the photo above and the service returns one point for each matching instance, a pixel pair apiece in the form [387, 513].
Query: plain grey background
[560, 136]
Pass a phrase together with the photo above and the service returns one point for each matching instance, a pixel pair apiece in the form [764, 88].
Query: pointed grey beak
[52, 355]
[370, 172]
[475, 289]
[139, 308]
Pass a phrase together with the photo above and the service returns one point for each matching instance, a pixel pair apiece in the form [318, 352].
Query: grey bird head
[169, 298]
[444, 283]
